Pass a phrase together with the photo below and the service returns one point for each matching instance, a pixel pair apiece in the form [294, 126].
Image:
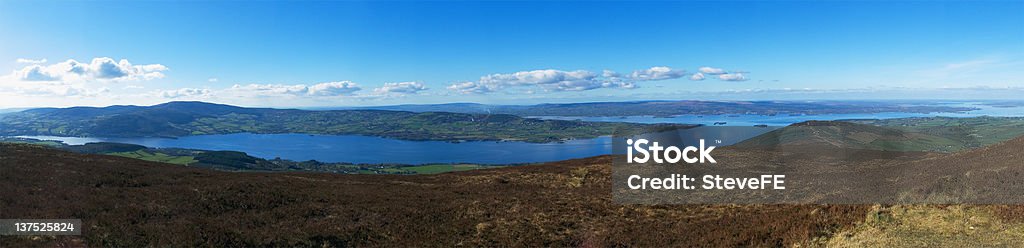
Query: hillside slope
[965, 133]
[128, 202]
[175, 119]
[989, 174]
[847, 135]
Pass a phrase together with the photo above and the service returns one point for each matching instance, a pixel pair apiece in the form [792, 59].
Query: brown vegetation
[127, 202]
[130, 203]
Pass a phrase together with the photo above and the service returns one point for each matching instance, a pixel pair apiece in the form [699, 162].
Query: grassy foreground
[933, 226]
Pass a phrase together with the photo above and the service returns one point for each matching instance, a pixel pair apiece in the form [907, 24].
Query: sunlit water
[364, 149]
[786, 119]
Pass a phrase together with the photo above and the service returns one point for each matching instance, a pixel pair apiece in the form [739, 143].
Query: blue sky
[344, 53]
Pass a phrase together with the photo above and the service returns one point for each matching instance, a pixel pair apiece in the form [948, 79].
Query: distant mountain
[175, 119]
[11, 110]
[673, 108]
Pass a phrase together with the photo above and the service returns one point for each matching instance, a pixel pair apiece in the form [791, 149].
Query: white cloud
[711, 70]
[733, 77]
[55, 90]
[697, 76]
[186, 92]
[35, 73]
[610, 74]
[969, 64]
[288, 91]
[537, 77]
[333, 88]
[321, 89]
[99, 69]
[657, 73]
[270, 89]
[401, 88]
[548, 80]
[471, 88]
[212, 80]
[30, 61]
[624, 85]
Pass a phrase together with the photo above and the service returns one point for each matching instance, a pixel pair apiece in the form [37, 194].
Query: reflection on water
[786, 119]
[363, 149]
[373, 150]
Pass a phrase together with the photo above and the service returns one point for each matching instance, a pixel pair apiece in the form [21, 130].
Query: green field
[419, 169]
[931, 134]
[156, 157]
[178, 119]
[31, 141]
[954, 134]
[442, 168]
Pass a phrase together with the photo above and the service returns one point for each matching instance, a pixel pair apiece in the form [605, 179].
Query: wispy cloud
[961, 69]
[340, 88]
[548, 80]
[552, 80]
[30, 61]
[56, 90]
[186, 92]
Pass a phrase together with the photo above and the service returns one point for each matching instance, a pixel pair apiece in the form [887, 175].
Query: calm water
[785, 119]
[364, 149]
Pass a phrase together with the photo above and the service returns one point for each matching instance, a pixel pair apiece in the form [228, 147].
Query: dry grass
[932, 226]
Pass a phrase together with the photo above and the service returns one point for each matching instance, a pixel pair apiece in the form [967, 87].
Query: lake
[374, 150]
[364, 149]
[786, 119]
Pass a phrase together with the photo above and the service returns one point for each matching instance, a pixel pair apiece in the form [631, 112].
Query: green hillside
[963, 132]
[177, 119]
[936, 134]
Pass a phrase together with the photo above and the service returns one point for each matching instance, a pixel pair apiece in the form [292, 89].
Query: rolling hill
[175, 119]
[926, 134]
[848, 135]
[961, 133]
